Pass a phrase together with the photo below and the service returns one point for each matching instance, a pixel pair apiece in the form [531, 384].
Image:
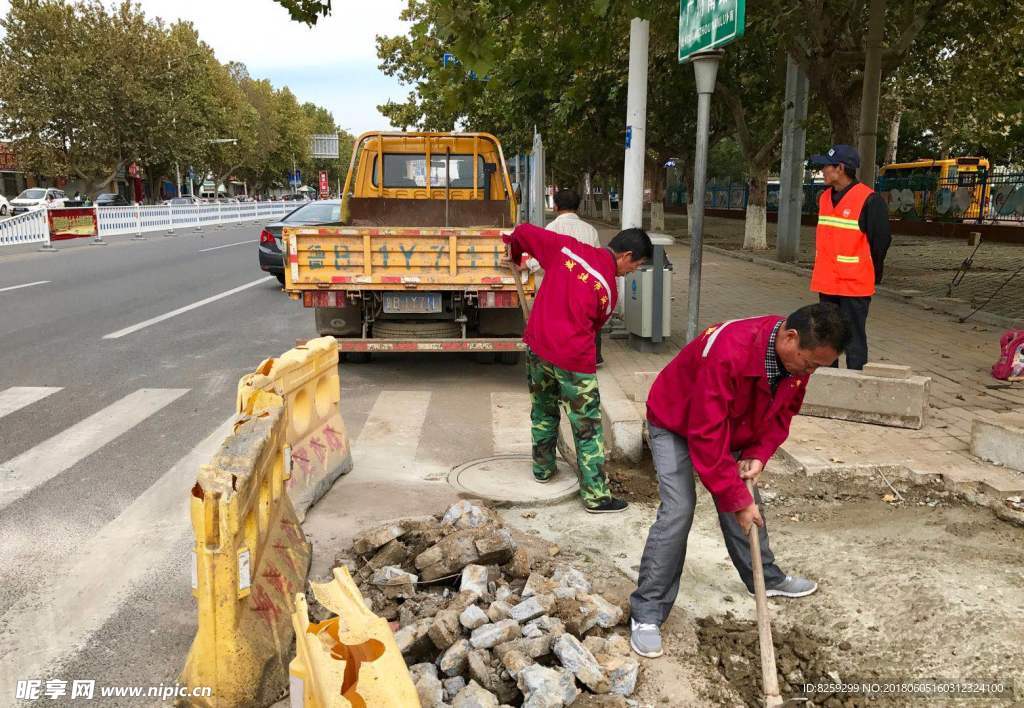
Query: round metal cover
[509, 478]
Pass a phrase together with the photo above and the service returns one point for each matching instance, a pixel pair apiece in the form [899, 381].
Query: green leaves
[85, 89]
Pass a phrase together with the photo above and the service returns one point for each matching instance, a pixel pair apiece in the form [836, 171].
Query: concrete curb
[622, 421]
[977, 492]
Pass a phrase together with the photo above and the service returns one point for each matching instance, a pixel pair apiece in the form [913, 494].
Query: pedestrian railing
[30, 227]
[33, 227]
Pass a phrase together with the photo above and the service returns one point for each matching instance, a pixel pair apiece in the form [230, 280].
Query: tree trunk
[755, 232]
[894, 137]
[687, 175]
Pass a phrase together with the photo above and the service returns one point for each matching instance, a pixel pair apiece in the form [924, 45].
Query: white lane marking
[48, 459]
[181, 310]
[387, 444]
[25, 285]
[227, 245]
[510, 423]
[18, 397]
[56, 620]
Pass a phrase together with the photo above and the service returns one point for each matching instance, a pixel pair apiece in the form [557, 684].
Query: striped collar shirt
[773, 367]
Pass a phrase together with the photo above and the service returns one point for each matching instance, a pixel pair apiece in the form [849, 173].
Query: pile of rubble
[483, 621]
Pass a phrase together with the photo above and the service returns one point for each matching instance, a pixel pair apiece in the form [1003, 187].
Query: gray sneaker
[645, 639]
[792, 587]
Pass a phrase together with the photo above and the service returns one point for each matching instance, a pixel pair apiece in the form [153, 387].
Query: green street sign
[707, 24]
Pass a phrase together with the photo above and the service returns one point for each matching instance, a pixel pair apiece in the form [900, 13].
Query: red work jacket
[716, 395]
[575, 299]
[842, 252]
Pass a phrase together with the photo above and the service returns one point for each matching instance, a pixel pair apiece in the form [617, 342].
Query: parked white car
[37, 198]
[5, 206]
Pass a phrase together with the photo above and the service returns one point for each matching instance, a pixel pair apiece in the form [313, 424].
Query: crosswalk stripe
[55, 621]
[48, 459]
[387, 444]
[510, 422]
[17, 397]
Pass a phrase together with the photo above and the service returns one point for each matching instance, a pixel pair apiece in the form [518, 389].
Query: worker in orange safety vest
[850, 244]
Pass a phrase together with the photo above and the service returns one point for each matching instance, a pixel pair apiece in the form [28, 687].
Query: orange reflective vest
[842, 260]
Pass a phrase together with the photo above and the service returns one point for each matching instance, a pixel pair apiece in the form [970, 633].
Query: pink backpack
[1010, 366]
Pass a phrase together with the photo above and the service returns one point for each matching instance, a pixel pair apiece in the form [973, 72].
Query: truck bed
[394, 258]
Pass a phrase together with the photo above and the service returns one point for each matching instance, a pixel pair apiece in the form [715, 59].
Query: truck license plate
[412, 303]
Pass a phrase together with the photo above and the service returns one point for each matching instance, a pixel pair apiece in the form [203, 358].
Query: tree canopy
[86, 88]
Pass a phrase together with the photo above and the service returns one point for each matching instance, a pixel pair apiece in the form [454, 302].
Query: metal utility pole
[872, 89]
[705, 70]
[791, 176]
[631, 208]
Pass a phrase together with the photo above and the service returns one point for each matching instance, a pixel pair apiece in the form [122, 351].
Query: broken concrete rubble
[475, 696]
[473, 617]
[547, 688]
[475, 614]
[532, 607]
[474, 580]
[577, 658]
[491, 635]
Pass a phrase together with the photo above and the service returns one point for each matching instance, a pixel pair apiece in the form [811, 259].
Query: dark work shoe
[543, 480]
[610, 505]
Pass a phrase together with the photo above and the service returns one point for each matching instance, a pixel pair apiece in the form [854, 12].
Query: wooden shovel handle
[769, 675]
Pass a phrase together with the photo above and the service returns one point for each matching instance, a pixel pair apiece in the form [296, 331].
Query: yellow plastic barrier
[348, 660]
[306, 377]
[251, 558]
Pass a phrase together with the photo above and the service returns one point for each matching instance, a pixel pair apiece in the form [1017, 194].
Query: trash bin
[648, 300]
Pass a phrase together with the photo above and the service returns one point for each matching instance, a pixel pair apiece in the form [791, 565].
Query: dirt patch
[634, 483]
[731, 647]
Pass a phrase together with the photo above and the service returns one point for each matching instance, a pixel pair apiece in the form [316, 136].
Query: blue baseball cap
[838, 154]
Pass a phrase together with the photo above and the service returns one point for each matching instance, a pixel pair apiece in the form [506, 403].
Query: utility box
[639, 299]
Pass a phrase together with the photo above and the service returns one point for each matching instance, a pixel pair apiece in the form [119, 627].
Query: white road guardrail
[32, 227]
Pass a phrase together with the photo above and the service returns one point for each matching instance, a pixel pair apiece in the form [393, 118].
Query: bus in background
[935, 189]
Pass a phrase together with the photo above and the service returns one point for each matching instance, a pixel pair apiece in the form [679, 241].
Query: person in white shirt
[568, 223]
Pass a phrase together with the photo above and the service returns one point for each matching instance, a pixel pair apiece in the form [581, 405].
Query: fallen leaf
[889, 498]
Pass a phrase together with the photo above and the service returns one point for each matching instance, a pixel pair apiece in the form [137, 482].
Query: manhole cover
[509, 478]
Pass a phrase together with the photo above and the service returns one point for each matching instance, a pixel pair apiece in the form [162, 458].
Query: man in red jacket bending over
[722, 407]
[575, 299]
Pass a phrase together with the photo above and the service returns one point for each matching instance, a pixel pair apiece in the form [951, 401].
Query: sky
[333, 64]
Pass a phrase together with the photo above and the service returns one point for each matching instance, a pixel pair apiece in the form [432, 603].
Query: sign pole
[705, 69]
[704, 26]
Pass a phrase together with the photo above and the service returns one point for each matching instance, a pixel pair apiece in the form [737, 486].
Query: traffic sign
[325, 185]
[708, 24]
[324, 146]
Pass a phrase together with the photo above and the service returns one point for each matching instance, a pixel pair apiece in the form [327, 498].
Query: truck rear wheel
[355, 357]
[508, 358]
[385, 329]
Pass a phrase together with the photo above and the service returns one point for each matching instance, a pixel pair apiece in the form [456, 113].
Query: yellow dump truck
[416, 263]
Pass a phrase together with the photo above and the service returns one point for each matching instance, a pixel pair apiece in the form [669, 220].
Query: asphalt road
[118, 371]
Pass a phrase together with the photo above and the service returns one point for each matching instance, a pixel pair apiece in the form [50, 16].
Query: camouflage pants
[550, 386]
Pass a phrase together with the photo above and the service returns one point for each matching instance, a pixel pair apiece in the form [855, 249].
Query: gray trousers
[665, 551]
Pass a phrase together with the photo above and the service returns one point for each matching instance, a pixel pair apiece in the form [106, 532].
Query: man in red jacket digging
[722, 407]
[575, 299]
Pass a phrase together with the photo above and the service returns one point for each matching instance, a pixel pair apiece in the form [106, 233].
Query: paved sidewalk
[918, 266]
[956, 356]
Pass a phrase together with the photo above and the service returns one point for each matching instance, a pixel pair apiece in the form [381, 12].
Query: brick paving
[917, 265]
[956, 356]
